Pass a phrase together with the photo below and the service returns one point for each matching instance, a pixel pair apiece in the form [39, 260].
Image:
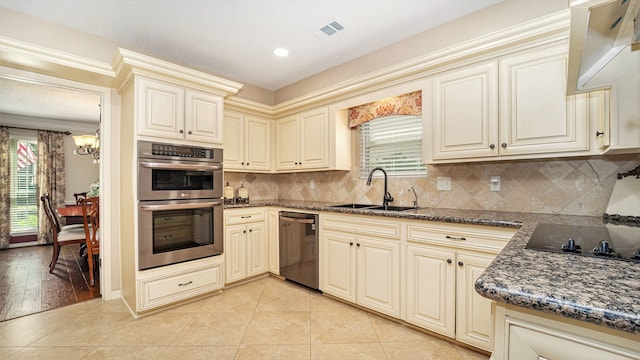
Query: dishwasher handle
[296, 220]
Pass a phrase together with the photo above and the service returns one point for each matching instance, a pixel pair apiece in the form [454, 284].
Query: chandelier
[88, 145]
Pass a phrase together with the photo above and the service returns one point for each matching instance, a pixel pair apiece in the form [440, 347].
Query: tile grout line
[235, 356]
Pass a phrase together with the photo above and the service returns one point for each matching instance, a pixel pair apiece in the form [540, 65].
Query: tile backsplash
[569, 186]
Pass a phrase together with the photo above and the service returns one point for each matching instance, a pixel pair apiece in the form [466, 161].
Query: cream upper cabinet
[512, 107]
[361, 261]
[245, 243]
[536, 115]
[247, 142]
[464, 112]
[173, 112]
[443, 262]
[313, 140]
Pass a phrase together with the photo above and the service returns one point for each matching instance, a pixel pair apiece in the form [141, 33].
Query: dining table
[71, 214]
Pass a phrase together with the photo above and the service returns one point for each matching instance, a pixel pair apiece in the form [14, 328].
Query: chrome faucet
[387, 197]
[415, 202]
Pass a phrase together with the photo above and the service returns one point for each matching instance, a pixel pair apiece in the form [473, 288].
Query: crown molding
[126, 62]
[35, 58]
[548, 28]
[236, 103]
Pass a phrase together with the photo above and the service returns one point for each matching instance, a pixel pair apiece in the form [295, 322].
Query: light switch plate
[444, 183]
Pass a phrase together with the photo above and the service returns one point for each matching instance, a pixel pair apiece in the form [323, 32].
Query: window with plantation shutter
[23, 190]
[393, 143]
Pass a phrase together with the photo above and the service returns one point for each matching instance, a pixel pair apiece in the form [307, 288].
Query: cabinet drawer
[243, 216]
[475, 237]
[158, 291]
[373, 226]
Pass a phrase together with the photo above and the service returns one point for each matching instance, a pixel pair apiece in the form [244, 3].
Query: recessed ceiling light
[282, 52]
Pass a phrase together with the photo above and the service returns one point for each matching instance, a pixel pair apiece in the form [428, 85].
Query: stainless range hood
[600, 29]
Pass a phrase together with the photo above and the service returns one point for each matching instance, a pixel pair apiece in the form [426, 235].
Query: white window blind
[23, 208]
[393, 143]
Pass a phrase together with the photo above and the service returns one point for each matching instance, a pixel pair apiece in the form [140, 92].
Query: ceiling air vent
[332, 28]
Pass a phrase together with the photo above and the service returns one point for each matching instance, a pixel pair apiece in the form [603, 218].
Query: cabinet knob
[300, 163]
[460, 263]
[189, 132]
[358, 244]
[181, 131]
[244, 231]
[351, 243]
[296, 163]
[449, 261]
[504, 145]
[599, 133]
[250, 230]
[247, 164]
[242, 163]
[493, 146]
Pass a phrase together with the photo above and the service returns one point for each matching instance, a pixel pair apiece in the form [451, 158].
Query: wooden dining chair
[71, 235]
[47, 206]
[80, 196]
[91, 216]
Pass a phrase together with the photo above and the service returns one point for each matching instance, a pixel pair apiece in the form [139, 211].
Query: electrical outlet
[444, 183]
[312, 185]
[494, 183]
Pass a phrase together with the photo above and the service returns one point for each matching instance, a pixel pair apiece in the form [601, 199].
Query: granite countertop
[599, 291]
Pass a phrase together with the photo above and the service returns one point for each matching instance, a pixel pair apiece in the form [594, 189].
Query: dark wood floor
[26, 287]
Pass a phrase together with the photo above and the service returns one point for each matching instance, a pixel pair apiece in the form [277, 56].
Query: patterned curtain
[405, 104]
[50, 177]
[5, 222]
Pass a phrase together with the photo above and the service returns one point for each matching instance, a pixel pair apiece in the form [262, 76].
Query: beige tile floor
[265, 319]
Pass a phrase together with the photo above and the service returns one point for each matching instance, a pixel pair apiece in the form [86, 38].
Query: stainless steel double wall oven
[180, 203]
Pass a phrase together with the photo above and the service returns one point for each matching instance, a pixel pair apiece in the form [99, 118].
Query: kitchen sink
[391, 208]
[373, 207]
[352, 206]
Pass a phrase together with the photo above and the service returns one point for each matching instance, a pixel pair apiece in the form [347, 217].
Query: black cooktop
[616, 242]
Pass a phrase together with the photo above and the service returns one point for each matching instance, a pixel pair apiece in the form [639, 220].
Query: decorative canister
[243, 194]
[228, 194]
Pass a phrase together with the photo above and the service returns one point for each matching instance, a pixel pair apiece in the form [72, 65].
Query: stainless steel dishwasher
[299, 248]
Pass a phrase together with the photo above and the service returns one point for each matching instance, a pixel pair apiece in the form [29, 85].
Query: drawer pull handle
[456, 237]
[186, 284]
[246, 217]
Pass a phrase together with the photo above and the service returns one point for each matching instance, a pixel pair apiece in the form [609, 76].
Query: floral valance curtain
[406, 104]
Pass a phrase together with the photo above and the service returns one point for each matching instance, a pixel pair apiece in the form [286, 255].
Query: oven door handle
[180, 206]
[173, 166]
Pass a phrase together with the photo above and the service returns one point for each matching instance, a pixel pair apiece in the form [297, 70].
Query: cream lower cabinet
[361, 262]
[170, 284]
[523, 334]
[443, 262]
[273, 221]
[247, 142]
[245, 243]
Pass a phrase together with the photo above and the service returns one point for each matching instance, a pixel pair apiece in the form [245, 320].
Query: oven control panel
[148, 149]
